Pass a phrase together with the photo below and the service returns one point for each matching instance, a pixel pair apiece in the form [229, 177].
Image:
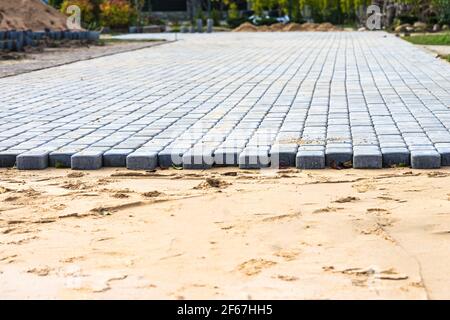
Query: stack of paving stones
[309, 100]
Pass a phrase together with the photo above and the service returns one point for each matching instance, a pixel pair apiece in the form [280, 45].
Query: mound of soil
[327, 27]
[293, 27]
[308, 26]
[30, 15]
[246, 27]
[277, 27]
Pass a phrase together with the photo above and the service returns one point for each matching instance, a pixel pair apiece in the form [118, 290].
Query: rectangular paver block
[171, 157]
[310, 159]
[396, 156]
[142, 160]
[32, 160]
[254, 158]
[338, 156]
[198, 159]
[227, 156]
[87, 160]
[8, 158]
[116, 157]
[63, 158]
[425, 159]
[445, 154]
[283, 155]
[367, 158]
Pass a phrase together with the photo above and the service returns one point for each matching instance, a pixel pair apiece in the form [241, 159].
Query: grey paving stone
[87, 160]
[198, 159]
[116, 157]
[142, 160]
[325, 93]
[8, 158]
[310, 159]
[338, 156]
[254, 158]
[171, 157]
[365, 157]
[62, 158]
[32, 160]
[395, 156]
[227, 156]
[444, 151]
[425, 159]
[283, 155]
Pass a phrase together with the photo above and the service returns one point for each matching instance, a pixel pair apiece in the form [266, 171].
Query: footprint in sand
[255, 266]
[40, 271]
[327, 209]
[365, 273]
[286, 278]
[363, 187]
[287, 255]
[379, 211]
[346, 199]
[282, 217]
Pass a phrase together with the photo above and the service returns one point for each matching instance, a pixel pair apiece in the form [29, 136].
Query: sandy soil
[440, 50]
[53, 57]
[30, 14]
[225, 233]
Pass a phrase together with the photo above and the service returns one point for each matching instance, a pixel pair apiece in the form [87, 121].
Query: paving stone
[198, 159]
[142, 160]
[395, 156]
[338, 156]
[327, 92]
[87, 160]
[310, 159]
[8, 158]
[254, 158]
[62, 158]
[283, 155]
[116, 157]
[444, 151]
[367, 157]
[32, 160]
[425, 159]
[227, 156]
[171, 157]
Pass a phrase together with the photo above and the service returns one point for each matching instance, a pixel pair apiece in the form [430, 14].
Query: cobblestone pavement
[250, 100]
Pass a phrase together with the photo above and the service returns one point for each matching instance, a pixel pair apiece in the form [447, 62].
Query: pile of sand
[308, 26]
[30, 15]
[277, 27]
[246, 27]
[327, 27]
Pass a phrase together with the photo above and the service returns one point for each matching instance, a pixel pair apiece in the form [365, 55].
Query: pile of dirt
[30, 15]
[246, 27]
[291, 27]
[326, 27]
[277, 27]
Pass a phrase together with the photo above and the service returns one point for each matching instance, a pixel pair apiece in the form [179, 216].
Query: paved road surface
[283, 99]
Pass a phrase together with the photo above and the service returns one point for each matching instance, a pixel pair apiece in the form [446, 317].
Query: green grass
[430, 39]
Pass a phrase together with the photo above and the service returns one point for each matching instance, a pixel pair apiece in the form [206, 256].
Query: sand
[290, 27]
[30, 15]
[225, 233]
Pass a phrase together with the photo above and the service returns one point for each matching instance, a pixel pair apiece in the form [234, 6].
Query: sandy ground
[53, 57]
[440, 50]
[225, 233]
